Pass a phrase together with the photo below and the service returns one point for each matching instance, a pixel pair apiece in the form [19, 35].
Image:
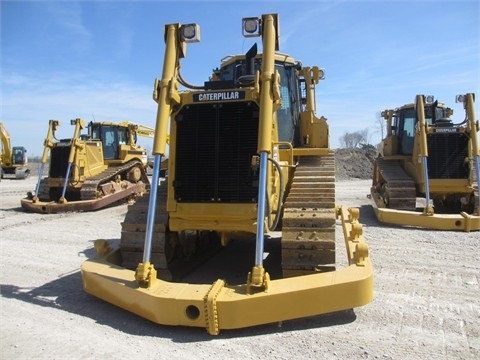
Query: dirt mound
[354, 163]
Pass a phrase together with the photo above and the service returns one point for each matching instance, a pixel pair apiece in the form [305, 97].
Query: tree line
[362, 138]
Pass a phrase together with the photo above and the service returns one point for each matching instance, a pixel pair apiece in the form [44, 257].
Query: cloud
[304, 23]
[68, 17]
[30, 100]
[120, 31]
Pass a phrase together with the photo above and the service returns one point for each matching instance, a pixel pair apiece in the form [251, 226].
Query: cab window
[406, 134]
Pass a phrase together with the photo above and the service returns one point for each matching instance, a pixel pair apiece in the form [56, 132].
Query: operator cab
[19, 155]
[405, 120]
[240, 71]
[111, 137]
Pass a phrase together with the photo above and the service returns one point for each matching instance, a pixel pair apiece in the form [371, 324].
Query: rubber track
[308, 224]
[398, 190]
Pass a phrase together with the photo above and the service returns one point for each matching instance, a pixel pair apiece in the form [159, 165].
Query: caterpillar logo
[219, 96]
[446, 130]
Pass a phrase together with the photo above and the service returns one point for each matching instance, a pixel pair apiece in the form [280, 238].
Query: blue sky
[98, 59]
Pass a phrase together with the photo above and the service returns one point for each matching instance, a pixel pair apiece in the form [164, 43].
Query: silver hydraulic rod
[64, 190]
[40, 173]
[262, 189]
[152, 203]
[427, 184]
[71, 157]
[477, 168]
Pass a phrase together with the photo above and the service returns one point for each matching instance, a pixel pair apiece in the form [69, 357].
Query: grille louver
[446, 156]
[59, 161]
[214, 147]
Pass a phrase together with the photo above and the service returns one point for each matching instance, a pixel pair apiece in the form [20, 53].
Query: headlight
[251, 27]
[429, 99]
[190, 33]
[459, 98]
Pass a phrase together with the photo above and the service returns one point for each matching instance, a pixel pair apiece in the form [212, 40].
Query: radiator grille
[446, 156]
[59, 161]
[214, 147]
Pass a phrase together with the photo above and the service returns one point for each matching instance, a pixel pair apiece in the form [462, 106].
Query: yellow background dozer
[91, 171]
[427, 158]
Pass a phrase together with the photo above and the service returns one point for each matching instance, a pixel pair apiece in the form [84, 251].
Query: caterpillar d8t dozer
[90, 171]
[426, 174]
[13, 159]
[246, 155]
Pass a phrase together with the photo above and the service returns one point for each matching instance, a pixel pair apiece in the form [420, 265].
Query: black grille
[59, 161]
[214, 147]
[446, 156]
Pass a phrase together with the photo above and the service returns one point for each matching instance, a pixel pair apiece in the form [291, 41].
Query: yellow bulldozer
[13, 159]
[427, 171]
[90, 171]
[247, 156]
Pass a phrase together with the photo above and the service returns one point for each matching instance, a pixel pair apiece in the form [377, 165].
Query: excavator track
[308, 227]
[397, 189]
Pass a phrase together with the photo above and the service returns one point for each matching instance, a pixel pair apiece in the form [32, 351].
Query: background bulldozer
[247, 155]
[426, 155]
[90, 171]
[13, 160]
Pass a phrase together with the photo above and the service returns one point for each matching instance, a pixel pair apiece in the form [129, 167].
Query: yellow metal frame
[219, 306]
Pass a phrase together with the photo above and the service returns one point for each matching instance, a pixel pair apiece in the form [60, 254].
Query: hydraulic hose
[182, 81]
[280, 198]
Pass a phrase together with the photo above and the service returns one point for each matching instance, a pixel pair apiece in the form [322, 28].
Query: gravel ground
[426, 303]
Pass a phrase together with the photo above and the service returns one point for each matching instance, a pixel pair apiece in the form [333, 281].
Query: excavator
[247, 157]
[427, 171]
[90, 171]
[13, 160]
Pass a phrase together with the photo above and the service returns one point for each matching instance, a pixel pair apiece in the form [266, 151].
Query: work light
[251, 27]
[429, 99]
[190, 33]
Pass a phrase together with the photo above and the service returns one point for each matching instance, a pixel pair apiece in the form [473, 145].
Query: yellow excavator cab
[13, 159]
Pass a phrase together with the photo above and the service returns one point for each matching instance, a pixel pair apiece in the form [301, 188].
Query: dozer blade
[52, 207]
[402, 199]
[461, 222]
[219, 306]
